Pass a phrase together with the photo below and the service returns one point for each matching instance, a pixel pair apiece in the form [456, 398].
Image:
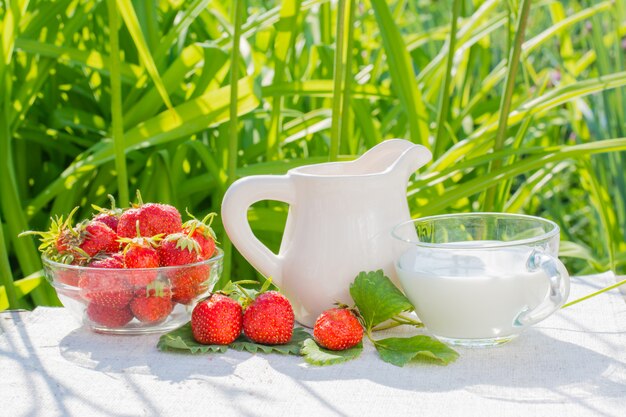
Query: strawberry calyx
[183, 242]
[246, 296]
[139, 240]
[203, 226]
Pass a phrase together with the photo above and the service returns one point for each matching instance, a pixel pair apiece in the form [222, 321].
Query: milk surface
[471, 293]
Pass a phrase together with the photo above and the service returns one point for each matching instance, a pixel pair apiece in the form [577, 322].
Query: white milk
[471, 293]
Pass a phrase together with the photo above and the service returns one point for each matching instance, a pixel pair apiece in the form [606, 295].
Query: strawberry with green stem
[76, 245]
[180, 249]
[141, 252]
[201, 232]
[268, 317]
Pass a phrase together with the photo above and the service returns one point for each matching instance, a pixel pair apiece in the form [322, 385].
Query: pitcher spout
[411, 160]
[396, 155]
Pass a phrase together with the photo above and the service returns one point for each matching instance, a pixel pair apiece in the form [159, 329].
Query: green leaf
[377, 298]
[316, 355]
[401, 72]
[400, 351]
[132, 24]
[181, 340]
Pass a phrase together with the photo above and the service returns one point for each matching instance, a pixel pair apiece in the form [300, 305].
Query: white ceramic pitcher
[339, 223]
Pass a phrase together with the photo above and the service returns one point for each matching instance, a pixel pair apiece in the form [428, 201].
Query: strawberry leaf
[400, 351]
[317, 355]
[377, 298]
[181, 340]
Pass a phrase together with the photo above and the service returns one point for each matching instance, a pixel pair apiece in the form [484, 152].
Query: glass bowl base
[477, 343]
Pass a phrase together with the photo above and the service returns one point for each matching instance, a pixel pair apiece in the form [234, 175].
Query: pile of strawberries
[121, 248]
[268, 319]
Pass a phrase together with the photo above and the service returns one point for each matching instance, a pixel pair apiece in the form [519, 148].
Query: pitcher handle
[237, 200]
[558, 279]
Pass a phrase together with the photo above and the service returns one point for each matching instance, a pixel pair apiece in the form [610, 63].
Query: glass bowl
[133, 301]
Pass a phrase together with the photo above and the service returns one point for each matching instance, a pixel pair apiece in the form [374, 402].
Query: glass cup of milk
[480, 279]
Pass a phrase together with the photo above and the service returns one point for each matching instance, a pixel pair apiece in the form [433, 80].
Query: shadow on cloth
[139, 355]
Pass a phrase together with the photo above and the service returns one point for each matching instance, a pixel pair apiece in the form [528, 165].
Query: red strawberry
[338, 329]
[105, 287]
[178, 249]
[116, 260]
[152, 304]
[207, 245]
[109, 316]
[111, 216]
[140, 252]
[189, 282]
[202, 233]
[127, 223]
[97, 237]
[155, 219]
[60, 242]
[269, 319]
[216, 320]
[107, 219]
[68, 276]
[63, 242]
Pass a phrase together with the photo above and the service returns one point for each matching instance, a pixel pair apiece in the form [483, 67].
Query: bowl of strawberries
[131, 271]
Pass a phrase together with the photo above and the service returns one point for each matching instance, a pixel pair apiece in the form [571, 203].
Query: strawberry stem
[138, 229]
[139, 199]
[112, 200]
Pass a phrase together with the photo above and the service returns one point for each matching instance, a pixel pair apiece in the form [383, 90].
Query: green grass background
[522, 103]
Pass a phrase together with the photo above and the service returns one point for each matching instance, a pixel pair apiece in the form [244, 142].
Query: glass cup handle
[558, 279]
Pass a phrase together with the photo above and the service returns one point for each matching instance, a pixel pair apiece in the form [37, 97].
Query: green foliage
[82, 115]
[400, 351]
[319, 356]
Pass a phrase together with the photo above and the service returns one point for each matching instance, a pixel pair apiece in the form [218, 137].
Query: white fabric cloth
[573, 364]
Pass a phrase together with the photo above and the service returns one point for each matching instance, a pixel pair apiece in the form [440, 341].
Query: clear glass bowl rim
[58, 265]
[554, 231]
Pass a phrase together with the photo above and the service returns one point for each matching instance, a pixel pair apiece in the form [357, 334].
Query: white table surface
[572, 364]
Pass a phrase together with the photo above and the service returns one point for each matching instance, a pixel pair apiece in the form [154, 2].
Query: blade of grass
[117, 119]
[444, 98]
[344, 123]
[233, 138]
[286, 32]
[507, 97]
[132, 24]
[6, 276]
[338, 79]
[402, 74]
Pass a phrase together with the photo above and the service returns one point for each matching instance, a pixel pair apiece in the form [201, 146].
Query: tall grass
[181, 98]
